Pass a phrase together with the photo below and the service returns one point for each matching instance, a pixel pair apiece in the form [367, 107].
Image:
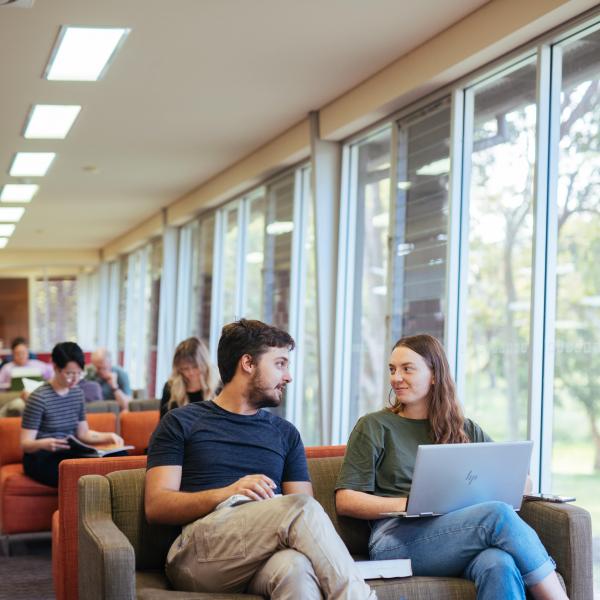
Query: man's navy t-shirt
[215, 447]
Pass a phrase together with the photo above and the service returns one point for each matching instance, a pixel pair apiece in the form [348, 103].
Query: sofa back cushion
[10, 440]
[137, 427]
[355, 532]
[150, 542]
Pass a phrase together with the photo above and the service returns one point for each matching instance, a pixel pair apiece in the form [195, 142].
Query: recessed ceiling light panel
[18, 192]
[83, 53]
[3, 242]
[11, 214]
[31, 164]
[50, 121]
[6, 230]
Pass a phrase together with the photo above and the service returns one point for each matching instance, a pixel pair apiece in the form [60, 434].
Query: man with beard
[235, 476]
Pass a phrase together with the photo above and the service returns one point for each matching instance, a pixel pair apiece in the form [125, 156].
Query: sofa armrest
[566, 532]
[106, 557]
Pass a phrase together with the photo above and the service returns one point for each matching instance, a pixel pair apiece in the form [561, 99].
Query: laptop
[18, 373]
[452, 476]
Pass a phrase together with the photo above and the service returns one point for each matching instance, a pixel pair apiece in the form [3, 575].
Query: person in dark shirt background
[193, 379]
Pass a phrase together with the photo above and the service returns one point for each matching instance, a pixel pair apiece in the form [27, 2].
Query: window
[254, 259]
[500, 251]
[279, 220]
[575, 467]
[369, 201]
[55, 302]
[420, 231]
[153, 300]
[203, 240]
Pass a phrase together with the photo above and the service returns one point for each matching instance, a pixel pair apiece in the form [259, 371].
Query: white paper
[29, 385]
[384, 569]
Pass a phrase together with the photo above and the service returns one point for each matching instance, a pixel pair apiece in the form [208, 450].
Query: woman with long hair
[487, 543]
[193, 378]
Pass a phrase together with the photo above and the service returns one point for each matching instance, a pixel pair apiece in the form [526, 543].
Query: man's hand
[111, 379]
[257, 487]
[53, 444]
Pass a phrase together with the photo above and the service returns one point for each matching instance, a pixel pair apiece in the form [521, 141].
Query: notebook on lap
[17, 375]
[452, 476]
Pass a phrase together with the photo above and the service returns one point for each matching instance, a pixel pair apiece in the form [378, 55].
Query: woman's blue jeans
[487, 543]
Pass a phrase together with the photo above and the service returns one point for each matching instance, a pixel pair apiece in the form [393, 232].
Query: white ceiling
[197, 85]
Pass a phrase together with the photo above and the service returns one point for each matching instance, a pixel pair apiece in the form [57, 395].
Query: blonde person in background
[194, 378]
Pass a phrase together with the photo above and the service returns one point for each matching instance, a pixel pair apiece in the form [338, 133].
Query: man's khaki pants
[281, 548]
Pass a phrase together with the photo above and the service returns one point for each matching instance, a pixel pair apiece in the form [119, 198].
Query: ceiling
[197, 85]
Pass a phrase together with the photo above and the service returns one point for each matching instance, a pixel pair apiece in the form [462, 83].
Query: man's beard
[259, 396]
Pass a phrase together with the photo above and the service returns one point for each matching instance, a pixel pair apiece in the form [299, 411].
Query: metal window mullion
[551, 260]
[345, 295]
[216, 301]
[294, 399]
[462, 241]
[455, 190]
[539, 257]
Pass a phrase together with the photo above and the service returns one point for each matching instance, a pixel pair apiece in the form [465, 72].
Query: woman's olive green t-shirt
[381, 452]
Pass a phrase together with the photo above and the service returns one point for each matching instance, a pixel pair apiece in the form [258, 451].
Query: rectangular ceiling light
[31, 164]
[18, 192]
[3, 242]
[6, 230]
[11, 214]
[50, 121]
[83, 53]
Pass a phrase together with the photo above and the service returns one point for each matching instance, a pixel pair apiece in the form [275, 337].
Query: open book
[85, 450]
[384, 569]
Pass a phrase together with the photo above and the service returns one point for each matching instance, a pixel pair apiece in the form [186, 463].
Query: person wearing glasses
[54, 411]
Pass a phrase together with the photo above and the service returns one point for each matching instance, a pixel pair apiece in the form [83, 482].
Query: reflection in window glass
[576, 432]
[371, 180]
[230, 274]
[500, 253]
[278, 252]
[255, 239]
[420, 232]
[311, 406]
[203, 238]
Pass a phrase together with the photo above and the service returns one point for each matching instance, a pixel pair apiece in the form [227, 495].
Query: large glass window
[153, 299]
[278, 251]
[203, 240]
[420, 229]
[370, 191]
[500, 252]
[576, 430]
[230, 272]
[254, 260]
[55, 301]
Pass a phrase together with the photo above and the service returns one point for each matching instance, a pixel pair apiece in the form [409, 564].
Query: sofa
[121, 556]
[26, 506]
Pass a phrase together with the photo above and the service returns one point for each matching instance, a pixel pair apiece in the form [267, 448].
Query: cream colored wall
[134, 238]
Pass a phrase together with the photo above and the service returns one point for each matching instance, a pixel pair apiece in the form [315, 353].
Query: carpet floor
[27, 573]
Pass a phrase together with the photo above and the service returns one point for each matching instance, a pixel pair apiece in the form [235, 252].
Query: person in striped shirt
[54, 411]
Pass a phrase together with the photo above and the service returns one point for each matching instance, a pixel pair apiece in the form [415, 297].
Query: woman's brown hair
[446, 419]
[193, 352]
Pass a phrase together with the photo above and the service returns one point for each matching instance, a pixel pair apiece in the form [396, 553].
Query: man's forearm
[179, 508]
[122, 398]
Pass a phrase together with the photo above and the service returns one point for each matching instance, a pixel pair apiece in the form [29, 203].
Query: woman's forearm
[361, 505]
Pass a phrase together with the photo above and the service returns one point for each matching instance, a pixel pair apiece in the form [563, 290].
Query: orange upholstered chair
[64, 531]
[26, 506]
[137, 427]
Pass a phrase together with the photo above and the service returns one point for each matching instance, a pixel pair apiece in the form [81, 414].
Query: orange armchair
[26, 506]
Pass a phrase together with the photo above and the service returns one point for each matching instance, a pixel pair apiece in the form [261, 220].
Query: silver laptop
[452, 476]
